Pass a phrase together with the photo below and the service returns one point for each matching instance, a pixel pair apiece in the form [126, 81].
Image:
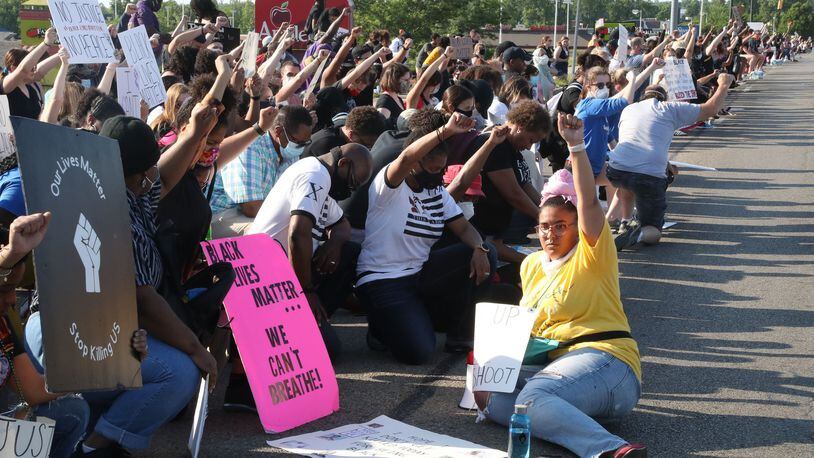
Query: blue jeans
[130, 417]
[564, 395]
[402, 311]
[650, 192]
[71, 415]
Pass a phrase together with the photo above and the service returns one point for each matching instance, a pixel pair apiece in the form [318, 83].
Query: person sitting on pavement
[401, 283]
[244, 183]
[301, 212]
[638, 165]
[573, 283]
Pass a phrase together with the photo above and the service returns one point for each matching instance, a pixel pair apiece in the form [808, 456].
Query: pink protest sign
[289, 371]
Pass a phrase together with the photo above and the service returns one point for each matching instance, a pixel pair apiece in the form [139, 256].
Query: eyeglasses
[557, 229]
[601, 85]
[351, 178]
[295, 142]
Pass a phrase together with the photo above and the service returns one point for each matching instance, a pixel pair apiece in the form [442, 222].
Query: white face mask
[602, 93]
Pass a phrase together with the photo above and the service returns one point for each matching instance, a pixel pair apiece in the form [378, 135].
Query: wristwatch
[5, 273]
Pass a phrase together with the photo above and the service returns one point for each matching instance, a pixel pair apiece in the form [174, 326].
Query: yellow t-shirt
[582, 298]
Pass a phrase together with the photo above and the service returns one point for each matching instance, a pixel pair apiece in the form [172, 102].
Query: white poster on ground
[199, 419]
[140, 57]
[678, 78]
[21, 438]
[82, 29]
[382, 437]
[127, 92]
[502, 334]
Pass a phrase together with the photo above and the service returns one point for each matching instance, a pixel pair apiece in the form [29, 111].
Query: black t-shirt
[187, 208]
[20, 105]
[324, 141]
[386, 101]
[386, 149]
[493, 214]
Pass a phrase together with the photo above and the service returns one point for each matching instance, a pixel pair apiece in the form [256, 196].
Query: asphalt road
[721, 309]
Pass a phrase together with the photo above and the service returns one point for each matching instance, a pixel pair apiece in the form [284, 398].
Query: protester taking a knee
[573, 284]
[401, 283]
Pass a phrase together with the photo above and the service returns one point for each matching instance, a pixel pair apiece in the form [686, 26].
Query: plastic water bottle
[520, 433]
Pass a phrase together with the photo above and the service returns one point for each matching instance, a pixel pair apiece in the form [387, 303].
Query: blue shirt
[11, 192]
[594, 114]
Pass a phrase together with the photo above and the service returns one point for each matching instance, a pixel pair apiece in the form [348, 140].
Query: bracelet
[255, 98]
[577, 148]
[438, 134]
[483, 248]
[258, 129]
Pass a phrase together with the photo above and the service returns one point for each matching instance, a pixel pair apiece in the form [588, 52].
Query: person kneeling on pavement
[573, 283]
[301, 213]
[638, 165]
[401, 283]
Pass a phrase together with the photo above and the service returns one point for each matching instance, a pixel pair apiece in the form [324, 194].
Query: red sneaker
[631, 451]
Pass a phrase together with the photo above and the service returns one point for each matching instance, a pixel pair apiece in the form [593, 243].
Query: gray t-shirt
[645, 132]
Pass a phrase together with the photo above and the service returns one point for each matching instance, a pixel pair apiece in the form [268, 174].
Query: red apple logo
[280, 14]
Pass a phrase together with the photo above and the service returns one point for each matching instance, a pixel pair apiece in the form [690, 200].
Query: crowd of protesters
[401, 192]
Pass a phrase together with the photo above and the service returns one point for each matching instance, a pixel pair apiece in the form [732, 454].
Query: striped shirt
[143, 223]
[402, 226]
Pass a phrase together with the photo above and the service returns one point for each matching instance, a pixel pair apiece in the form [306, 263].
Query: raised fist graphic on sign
[89, 247]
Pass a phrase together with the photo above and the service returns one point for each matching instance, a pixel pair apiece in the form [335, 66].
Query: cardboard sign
[382, 437]
[84, 267]
[127, 92]
[199, 419]
[756, 26]
[26, 439]
[286, 362]
[249, 56]
[82, 29]
[678, 78]
[502, 334]
[463, 47]
[140, 57]
[621, 51]
[6, 133]
[269, 15]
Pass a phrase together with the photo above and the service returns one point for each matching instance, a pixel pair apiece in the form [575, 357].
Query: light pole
[701, 18]
[567, 14]
[576, 28]
[556, 15]
[639, 12]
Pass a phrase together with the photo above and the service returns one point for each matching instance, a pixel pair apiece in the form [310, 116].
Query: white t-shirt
[301, 190]
[402, 226]
[645, 132]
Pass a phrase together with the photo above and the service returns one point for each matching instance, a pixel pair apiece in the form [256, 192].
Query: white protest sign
[688, 166]
[756, 26]
[82, 29]
[621, 51]
[463, 47]
[6, 132]
[678, 78]
[249, 56]
[198, 421]
[502, 334]
[127, 92]
[382, 437]
[140, 58]
[28, 439]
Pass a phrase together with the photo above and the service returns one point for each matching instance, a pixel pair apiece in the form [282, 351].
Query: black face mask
[467, 113]
[427, 180]
[340, 189]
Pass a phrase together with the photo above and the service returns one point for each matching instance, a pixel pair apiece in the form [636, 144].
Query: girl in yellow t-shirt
[573, 283]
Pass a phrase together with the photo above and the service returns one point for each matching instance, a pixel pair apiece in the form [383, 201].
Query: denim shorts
[650, 191]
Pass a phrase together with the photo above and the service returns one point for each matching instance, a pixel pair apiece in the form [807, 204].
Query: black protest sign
[84, 266]
[82, 30]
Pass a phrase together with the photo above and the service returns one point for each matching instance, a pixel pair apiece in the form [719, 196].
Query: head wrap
[561, 184]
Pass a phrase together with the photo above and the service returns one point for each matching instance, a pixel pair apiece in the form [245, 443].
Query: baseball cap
[475, 189]
[516, 52]
[137, 144]
[503, 46]
[359, 51]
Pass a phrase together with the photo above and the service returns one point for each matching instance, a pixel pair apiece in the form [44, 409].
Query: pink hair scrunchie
[561, 184]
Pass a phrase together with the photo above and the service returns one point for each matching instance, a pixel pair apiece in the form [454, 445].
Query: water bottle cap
[520, 408]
